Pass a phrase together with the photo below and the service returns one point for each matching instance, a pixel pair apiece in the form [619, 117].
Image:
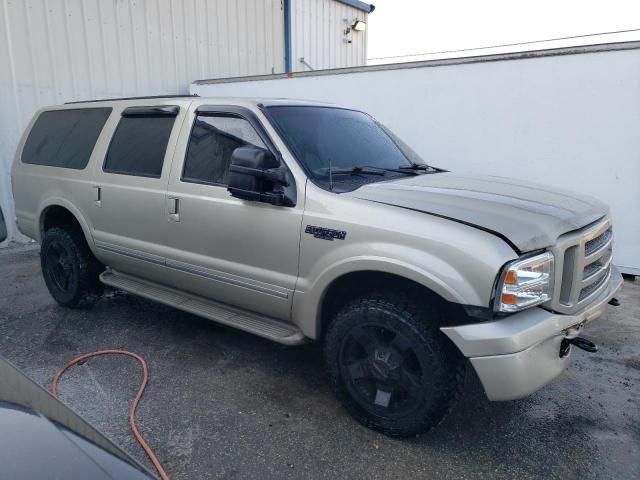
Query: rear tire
[390, 366]
[70, 270]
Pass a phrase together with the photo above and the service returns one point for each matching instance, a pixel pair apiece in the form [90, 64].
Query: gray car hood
[526, 215]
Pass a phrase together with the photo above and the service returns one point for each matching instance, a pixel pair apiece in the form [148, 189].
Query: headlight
[525, 283]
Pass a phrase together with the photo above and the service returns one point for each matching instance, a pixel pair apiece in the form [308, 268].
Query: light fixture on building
[359, 26]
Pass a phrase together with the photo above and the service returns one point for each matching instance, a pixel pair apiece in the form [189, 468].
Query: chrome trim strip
[604, 266]
[219, 277]
[596, 292]
[188, 268]
[594, 278]
[594, 255]
[130, 253]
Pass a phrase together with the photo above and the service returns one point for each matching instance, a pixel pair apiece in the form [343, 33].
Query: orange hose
[134, 405]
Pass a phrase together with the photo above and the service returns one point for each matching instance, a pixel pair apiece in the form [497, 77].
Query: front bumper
[517, 355]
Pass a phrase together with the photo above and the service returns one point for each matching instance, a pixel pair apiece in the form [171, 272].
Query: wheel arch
[59, 211]
[312, 310]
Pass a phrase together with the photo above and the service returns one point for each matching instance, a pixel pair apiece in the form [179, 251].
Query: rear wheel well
[355, 284]
[57, 216]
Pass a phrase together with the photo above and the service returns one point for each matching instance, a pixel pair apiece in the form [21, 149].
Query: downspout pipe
[287, 36]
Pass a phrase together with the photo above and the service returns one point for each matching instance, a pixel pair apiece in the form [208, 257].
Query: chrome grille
[593, 268]
[590, 289]
[596, 244]
[584, 266]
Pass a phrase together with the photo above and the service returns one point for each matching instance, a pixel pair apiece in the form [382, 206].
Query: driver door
[238, 252]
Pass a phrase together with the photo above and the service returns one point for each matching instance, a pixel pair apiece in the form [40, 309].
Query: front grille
[590, 289]
[585, 266]
[596, 266]
[596, 244]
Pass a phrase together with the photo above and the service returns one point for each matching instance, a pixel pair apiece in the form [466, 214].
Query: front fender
[307, 303]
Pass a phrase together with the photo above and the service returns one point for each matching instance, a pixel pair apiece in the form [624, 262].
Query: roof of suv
[226, 100]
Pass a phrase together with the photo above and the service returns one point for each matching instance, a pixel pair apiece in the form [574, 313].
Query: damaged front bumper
[517, 355]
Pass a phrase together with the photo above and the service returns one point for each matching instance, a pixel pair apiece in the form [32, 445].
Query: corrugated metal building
[54, 51]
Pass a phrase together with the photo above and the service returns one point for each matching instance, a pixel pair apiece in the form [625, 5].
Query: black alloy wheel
[70, 270]
[58, 266]
[382, 370]
[390, 365]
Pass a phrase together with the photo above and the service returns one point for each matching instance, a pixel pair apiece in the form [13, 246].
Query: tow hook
[580, 342]
[615, 302]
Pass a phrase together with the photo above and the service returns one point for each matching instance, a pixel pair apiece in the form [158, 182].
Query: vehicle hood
[526, 215]
[42, 438]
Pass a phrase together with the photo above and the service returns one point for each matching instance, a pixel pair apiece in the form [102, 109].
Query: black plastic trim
[151, 111]
[478, 313]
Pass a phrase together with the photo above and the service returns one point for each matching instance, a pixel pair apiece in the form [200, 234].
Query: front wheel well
[355, 284]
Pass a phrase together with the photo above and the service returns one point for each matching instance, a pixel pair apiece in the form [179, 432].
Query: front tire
[390, 366]
[70, 270]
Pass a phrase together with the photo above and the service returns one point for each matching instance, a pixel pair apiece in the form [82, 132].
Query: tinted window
[138, 145]
[64, 138]
[213, 140]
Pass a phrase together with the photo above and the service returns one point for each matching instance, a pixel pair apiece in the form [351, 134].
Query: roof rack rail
[132, 98]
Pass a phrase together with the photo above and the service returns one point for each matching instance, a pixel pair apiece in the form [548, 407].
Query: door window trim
[230, 111]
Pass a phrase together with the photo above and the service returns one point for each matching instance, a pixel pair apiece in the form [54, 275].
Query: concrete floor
[224, 404]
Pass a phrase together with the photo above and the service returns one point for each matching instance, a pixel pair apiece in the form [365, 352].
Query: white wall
[54, 51]
[317, 35]
[565, 118]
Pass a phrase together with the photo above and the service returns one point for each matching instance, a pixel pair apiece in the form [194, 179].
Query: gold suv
[302, 221]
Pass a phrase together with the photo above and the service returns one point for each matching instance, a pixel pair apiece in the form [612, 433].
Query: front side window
[213, 140]
[64, 138]
[139, 144]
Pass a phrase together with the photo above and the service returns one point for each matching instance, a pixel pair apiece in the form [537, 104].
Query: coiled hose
[134, 405]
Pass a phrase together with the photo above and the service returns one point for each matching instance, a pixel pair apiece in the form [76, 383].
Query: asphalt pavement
[225, 404]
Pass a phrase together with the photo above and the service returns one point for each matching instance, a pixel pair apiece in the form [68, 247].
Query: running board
[265, 327]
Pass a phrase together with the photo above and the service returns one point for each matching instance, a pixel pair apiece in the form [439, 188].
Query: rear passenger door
[238, 252]
[129, 188]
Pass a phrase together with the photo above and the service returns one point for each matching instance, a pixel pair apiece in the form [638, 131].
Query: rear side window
[140, 141]
[64, 138]
[213, 140]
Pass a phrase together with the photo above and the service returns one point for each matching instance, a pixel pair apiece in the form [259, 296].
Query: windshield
[324, 138]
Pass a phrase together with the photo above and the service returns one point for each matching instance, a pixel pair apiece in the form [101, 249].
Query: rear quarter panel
[36, 187]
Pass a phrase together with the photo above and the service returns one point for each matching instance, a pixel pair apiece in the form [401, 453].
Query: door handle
[174, 209]
[97, 196]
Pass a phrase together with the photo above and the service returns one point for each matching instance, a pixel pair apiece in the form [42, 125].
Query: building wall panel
[317, 35]
[54, 51]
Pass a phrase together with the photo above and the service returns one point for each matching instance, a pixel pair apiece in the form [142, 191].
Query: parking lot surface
[225, 404]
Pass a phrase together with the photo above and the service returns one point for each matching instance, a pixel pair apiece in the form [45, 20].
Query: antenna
[330, 176]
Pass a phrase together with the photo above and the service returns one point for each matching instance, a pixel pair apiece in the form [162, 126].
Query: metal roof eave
[496, 57]
[365, 7]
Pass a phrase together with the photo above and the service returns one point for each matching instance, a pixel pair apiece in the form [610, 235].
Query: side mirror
[256, 174]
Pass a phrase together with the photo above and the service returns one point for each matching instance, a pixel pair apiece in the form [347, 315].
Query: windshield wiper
[356, 170]
[416, 166]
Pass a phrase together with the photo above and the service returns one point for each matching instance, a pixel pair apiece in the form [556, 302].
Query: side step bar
[265, 327]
